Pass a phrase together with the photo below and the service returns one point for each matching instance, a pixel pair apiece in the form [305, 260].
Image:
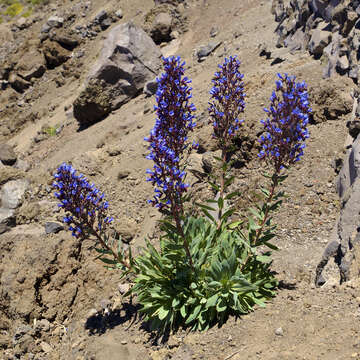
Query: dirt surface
[58, 302]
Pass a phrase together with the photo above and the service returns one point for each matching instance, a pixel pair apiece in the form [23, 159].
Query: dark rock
[7, 155]
[161, 28]
[31, 65]
[151, 87]
[206, 50]
[67, 41]
[54, 53]
[18, 83]
[319, 40]
[53, 228]
[128, 60]
[55, 22]
[7, 219]
[102, 15]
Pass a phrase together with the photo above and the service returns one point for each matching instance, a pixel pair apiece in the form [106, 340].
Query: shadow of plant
[99, 323]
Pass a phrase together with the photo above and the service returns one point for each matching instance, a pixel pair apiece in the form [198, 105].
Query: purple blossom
[286, 126]
[227, 100]
[169, 137]
[85, 205]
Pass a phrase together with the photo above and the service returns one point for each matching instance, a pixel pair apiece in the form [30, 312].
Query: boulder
[54, 54]
[18, 83]
[161, 28]
[319, 40]
[12, 192]
[7, 155]
[31, 65]
[128, 60]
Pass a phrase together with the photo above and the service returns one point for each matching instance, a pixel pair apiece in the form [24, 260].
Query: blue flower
[168, 138]
[286, 125]
[83, 201]
[227, 100]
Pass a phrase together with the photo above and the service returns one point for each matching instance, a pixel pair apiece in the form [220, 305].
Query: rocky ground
[56, 300]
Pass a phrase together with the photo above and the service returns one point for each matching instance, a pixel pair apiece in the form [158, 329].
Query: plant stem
[274, 184]
[222, 185]
[268, 200]
[102, 242]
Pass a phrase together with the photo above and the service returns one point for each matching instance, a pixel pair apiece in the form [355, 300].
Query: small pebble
[279, 331]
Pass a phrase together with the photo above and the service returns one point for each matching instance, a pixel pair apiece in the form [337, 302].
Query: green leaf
[256, 213]
[220, 306]
[229, 181]
[206, 207]
[235, 224]
[183, 311]
[214, 186]
[108, 261]
[271, 246]
[265, 191]
[162, 313]
[232, 195]
[264, 259]
[220, 203]
[252, 224]
[208, 215]
[212, 301]
[193, 315]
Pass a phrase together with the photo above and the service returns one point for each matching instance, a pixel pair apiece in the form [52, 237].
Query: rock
[206, 50]
[151, 87]
[329, 101]
[119, 13]
[18, 83]
[126, 228]
[7, 219]
[279, 331]
[128, 60]
[319, 40]
[53, 228]
[54, 54]
[161, 28]
[342, 64]
[23, 23]
[7, 155]
[20, 332]
[42, 325]
[12, 192]
[322, 27]
[22, 165]
[124, 288]
[46, 348]
[67, 41]
[31, 65]
[102, 19]
[55, 22]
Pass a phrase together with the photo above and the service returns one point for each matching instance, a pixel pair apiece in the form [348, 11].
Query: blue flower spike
[169, 137]
[227, 100]
[285, 128]
[85, 205]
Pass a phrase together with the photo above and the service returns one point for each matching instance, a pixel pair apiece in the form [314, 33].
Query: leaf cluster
[222, 282]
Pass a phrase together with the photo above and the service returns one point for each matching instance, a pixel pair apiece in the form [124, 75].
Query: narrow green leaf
[221, 203]
[193, 315]
[206, 207]
[212, 301]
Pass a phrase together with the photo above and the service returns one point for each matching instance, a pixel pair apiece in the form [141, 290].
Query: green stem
[268, 201]
[222, 185]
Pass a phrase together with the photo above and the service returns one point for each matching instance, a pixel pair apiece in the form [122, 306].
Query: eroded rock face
[128, 60]
[329, 29]
[344, 245]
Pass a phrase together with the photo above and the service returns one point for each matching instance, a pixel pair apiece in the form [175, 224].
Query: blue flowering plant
[227, 104]
[86, 215]
[208, 268]
[205, 268]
